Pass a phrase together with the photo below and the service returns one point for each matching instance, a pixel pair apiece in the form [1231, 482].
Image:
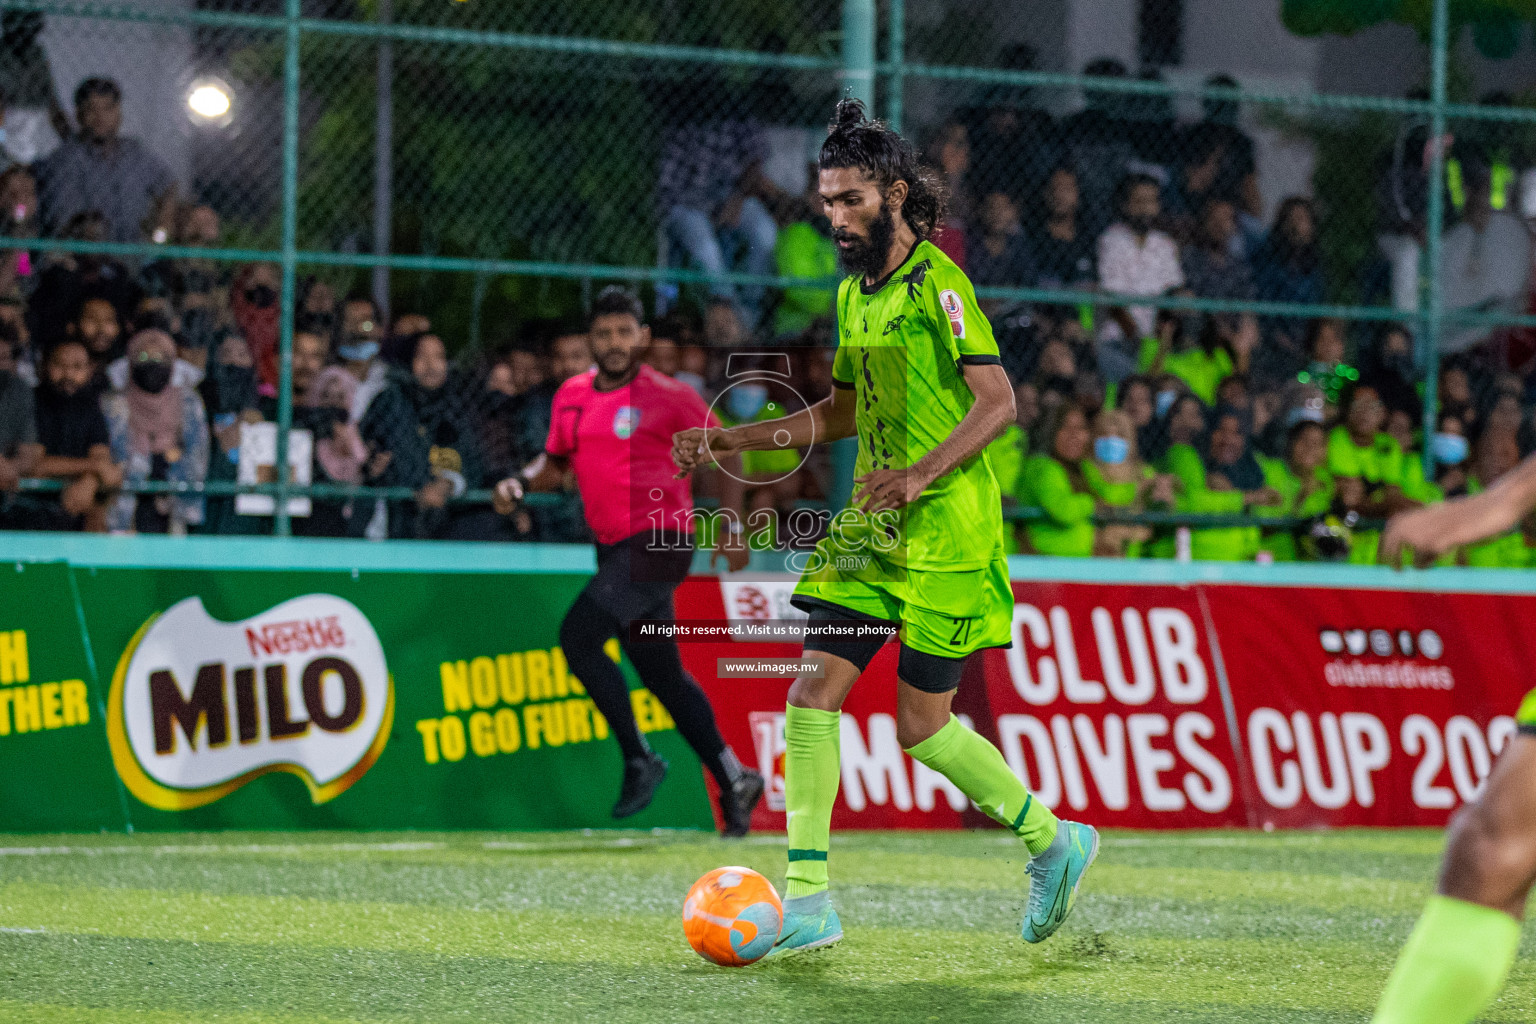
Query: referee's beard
[866, 256]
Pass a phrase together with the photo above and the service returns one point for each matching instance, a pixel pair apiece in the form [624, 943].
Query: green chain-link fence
[489, 163]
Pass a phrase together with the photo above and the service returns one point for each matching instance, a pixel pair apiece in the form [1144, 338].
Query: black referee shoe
[736, 803]
[641, 777]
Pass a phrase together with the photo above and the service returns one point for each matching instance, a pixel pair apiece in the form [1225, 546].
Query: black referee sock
[661, 669]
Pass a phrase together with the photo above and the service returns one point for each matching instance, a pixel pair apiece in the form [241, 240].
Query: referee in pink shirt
[613, 426]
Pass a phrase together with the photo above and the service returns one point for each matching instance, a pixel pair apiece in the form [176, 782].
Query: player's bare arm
[731, 542]
[830, 419]
[1433, 530]
[545, 473]
[988, 417]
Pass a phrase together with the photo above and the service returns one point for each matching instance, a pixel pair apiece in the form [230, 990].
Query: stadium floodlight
[209, 100]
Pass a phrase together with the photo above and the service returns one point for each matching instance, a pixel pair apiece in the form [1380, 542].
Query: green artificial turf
[321, 928]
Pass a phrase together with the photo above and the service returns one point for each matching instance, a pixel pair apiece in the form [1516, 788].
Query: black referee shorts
[637, 576]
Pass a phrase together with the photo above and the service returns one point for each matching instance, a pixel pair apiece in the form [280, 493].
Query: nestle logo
[296, 637]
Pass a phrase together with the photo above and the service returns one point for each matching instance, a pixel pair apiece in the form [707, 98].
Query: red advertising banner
[1155, 706]
[1371, 707]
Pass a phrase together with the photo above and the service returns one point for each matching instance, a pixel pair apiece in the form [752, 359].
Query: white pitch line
[288, 848]
[22, 931]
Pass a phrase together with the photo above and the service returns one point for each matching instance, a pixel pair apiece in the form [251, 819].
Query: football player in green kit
[919, 551]
[1464, 944]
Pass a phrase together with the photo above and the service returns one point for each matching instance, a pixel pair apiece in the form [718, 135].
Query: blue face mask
[1165, 400]
[1111, 450]
[1448, 449]
[745, 401]
[359, 352]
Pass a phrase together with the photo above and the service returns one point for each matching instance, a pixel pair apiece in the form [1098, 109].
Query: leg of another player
[812, 770]
[583, 632]
[661, 669]
[1462, 948]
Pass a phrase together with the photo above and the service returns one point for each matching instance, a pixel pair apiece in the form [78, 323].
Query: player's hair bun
[850, 113]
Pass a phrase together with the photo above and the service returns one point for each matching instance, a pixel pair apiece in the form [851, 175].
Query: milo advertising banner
[206, 699]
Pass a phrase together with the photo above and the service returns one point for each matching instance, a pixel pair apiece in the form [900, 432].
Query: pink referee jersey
[620, 445]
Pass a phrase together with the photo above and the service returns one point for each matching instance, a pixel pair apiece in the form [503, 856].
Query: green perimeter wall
[71, 605]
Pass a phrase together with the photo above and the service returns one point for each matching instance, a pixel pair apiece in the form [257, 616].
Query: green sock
[978, 768]
[811, 774]
[1455, 962]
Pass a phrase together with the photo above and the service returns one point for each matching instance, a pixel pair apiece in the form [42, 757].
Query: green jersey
[901, 345]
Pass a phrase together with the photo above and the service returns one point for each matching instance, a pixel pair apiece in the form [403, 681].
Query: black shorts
[919, 669]
[636, 577]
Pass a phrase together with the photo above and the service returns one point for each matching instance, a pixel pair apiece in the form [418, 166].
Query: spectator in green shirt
[1225, 347]
[1053, 481]
[1498, 452]
[1367, 465]
[804, 249]
[1302, 482]
[1233, 482]
[1121, 481]
[1207, 488]
[1007, 453]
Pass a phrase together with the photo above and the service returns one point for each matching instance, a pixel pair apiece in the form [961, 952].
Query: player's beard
[867, 256]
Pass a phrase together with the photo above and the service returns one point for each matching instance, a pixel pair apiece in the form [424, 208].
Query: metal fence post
[858, 78]
[897, 44]
[383, 159]
[858, 73]
[1439, 45]
[280, 523]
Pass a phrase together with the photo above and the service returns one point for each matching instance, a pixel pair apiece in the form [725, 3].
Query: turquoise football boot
[810, 922]
[1053, 879]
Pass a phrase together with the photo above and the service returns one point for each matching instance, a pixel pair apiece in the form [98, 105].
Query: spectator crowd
[1300, 432]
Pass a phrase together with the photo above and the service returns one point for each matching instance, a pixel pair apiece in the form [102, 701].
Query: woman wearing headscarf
[158, 433]
[420, 434]
[340, 454]
[1227, 480]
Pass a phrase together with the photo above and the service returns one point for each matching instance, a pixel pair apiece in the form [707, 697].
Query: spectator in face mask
[1450, 448]
[1119, 479]
[358, 349]
[229, 395]
[158, 432]
[772, 480]
[339, 454]
[73, 433]
[253, 301]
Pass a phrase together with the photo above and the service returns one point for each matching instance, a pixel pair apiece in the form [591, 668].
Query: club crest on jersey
[625, 422]
[954, 310]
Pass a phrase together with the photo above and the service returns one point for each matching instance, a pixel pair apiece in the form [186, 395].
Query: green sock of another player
[978, 768]
[1455, 962]
[811, 775]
